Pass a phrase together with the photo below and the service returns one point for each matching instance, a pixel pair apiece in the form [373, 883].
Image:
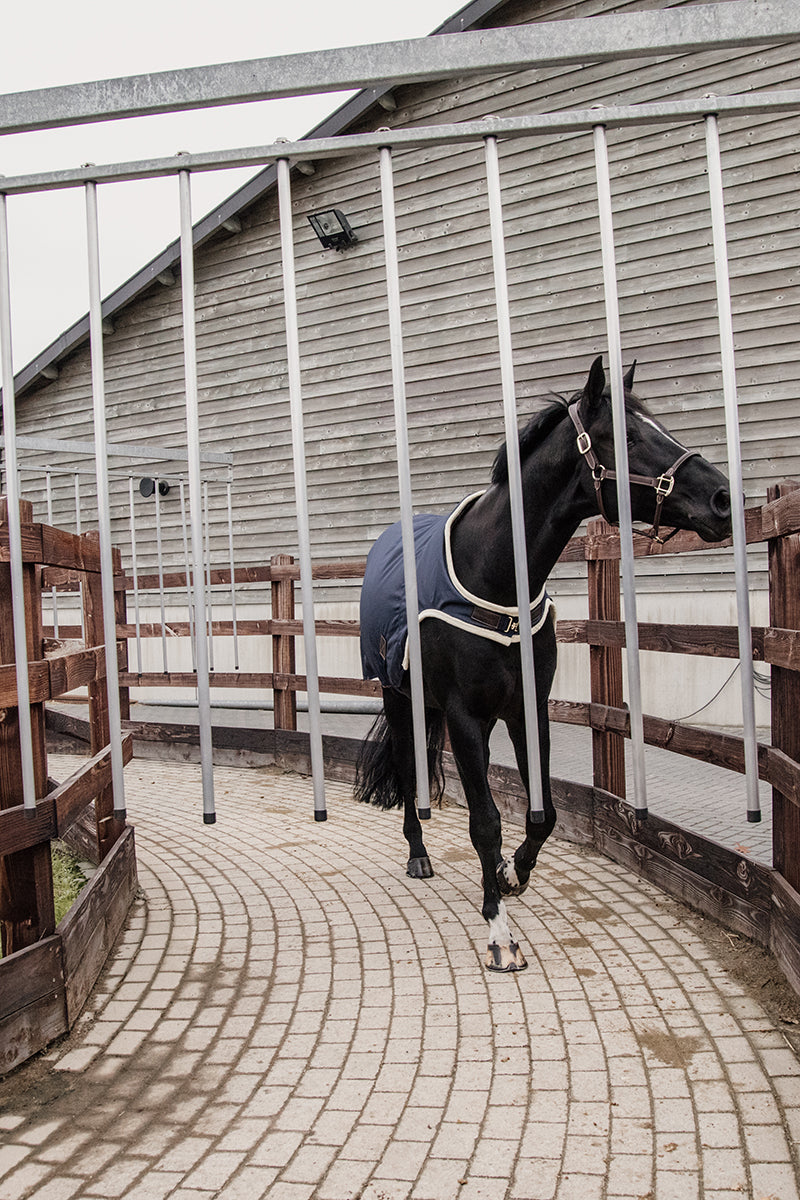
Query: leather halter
[663, 483]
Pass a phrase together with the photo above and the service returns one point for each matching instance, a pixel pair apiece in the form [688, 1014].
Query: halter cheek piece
[663, 483]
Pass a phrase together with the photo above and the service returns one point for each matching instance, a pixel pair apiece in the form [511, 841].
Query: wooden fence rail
[46, 973]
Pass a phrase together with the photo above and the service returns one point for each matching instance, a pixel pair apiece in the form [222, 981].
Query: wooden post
[26, 878]
[784, 613]
[283, 649]
[605, 666]
[108, 829]
[121, 617]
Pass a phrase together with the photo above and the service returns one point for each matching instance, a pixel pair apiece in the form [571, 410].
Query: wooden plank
[605, 669]
[781, 515]
[60, 808]
[74, 551]
[29, 1030]
[32, 1001]
[76, 669]
[261, 681]
[38, 680]
[283, 646]
[782, 648]
[244, 628]
[67, 723]
[784, 612]
[18, 831]
[92, 925]
[784, 937]
[72, 796]
[31, 539]
[714, 641]
[30, 974]
[781, 771]
[686, 866]
[50, 678]
[188, 679]
[27, 911]
[221, 576]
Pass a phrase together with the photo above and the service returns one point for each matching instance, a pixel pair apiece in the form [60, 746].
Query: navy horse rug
[384, 627]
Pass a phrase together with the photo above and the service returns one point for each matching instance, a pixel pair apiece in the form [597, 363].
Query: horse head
[670, 485]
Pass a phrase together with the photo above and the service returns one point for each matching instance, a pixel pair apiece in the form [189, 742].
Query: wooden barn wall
[667, 296]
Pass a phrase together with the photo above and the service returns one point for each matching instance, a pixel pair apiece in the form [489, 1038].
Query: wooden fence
[47, 973]
[752, 899]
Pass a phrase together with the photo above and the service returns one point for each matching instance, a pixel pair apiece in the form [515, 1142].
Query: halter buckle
[584, 442]
[664, 485]
[599, 473]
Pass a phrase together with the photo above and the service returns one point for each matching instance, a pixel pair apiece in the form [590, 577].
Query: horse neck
[555, 504]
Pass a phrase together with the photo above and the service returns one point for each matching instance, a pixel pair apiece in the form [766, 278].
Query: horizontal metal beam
[519, 47]
[306, 149]
[116, 450]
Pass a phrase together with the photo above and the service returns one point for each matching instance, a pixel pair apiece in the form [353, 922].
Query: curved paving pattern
[288, 1016]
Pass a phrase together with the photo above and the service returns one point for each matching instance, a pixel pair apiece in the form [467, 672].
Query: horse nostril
[720, 502]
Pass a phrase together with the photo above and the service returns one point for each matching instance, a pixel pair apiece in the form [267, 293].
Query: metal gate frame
[698, 28]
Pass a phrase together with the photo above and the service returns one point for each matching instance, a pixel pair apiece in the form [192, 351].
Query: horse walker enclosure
[78, 607]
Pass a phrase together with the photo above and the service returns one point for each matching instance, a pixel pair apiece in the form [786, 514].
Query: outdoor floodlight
[147, 487]
[333, 229]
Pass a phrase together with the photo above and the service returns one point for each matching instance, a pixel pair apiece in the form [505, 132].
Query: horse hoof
[420, 868]
[505, 958]
[509, 881]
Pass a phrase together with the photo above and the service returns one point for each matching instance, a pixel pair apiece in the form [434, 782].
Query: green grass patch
[68, 878]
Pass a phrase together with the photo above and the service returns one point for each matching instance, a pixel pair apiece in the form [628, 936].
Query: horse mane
[542, 424]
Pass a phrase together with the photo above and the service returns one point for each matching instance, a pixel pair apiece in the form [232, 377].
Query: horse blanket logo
[384, 629]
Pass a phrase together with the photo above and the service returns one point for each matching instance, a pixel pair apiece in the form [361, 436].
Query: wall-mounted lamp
[333, 229]
[147, 487]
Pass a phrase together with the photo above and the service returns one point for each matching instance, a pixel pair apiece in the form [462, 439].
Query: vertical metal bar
[188, 569]
[233, 583]
[623, 474]
[15, 524]
[135, 570]
[301, 493]
[515, 478]
[195, 496]
[160, 561]
[404, 482]
[209, 609]
[103, 504]
[725, 316]
[53, 590]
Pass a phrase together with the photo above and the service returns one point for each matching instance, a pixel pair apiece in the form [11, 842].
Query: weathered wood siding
[667, 296]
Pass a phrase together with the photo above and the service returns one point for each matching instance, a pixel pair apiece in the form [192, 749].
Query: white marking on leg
[499, 932]
[510, 873]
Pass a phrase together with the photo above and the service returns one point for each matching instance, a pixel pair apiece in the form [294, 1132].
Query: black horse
[471, 682]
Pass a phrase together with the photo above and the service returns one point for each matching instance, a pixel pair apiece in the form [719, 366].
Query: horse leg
[469, 739]
[513, 877]
[397, 708]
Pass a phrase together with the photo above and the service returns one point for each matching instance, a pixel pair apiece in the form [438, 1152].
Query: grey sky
[48, 42]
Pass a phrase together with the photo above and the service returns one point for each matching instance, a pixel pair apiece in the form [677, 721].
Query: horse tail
[378, 780]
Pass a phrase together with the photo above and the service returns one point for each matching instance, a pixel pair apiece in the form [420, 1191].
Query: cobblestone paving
[288, 1016]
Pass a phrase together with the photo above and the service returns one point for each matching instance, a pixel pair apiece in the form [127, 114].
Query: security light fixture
[147, 487]
[333, 229]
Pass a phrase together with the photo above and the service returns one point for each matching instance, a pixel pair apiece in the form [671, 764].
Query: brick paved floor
[288, 1016]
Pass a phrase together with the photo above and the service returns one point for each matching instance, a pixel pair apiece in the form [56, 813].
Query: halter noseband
[663, 483]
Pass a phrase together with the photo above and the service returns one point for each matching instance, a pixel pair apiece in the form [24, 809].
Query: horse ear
[628, 377]
[595, 384]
